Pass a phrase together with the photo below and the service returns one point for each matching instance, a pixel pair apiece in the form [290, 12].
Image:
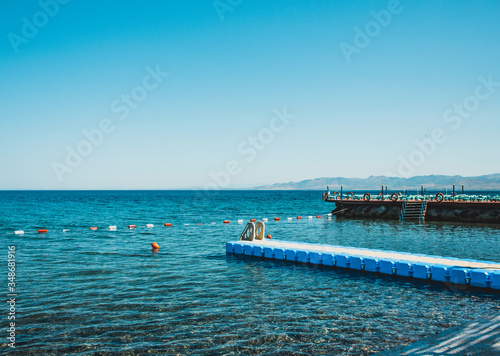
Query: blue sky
[257, 91]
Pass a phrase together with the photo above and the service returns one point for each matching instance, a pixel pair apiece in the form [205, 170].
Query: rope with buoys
[151, 226]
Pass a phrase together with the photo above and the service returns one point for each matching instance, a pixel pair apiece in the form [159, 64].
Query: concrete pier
[459, 211]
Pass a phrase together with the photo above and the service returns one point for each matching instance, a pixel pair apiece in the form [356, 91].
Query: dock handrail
[248, 233]
[403, 208]
[253, 231]
[422, 210]
[328, 196]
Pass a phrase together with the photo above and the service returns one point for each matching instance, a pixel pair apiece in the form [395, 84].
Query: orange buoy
[42, 231]
[318, 216]
[299, 217]
[226, 221]
[132, 226]
[168, 224]
[93, 228]
[200, 224]
[276, 219]
[269, 237]
[155, 246]
[253, 220]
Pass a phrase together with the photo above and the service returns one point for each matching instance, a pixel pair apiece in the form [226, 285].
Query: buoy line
[168, 224]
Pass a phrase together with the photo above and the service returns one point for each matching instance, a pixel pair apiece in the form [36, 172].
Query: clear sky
[178, 94]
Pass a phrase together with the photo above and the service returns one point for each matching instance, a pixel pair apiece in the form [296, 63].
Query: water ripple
[104, 292]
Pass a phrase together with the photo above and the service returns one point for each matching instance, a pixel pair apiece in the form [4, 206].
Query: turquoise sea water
[85, 292]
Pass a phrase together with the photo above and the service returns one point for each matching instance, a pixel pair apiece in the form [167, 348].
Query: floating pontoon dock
[482, 274]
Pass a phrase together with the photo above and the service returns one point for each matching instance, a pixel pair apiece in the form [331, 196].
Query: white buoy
[112, 227]
[65, 230]
[240, 221]
[309, 217]
[150, 225]
[329, 214]
[289, 218]
[19, 232]
[265, 219]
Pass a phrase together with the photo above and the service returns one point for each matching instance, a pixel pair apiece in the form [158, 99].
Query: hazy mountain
[432, 182]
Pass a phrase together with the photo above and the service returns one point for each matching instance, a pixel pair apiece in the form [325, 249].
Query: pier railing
[403, 209]
[423, 211]
[329, 196]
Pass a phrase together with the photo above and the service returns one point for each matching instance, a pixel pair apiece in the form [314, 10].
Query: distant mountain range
[431, 182]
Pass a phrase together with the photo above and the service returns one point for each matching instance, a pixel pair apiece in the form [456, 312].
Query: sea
[76, 291]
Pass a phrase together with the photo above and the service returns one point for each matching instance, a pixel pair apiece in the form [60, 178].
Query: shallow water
[82, 292]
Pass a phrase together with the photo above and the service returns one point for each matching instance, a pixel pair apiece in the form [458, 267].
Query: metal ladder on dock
[413, 210]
